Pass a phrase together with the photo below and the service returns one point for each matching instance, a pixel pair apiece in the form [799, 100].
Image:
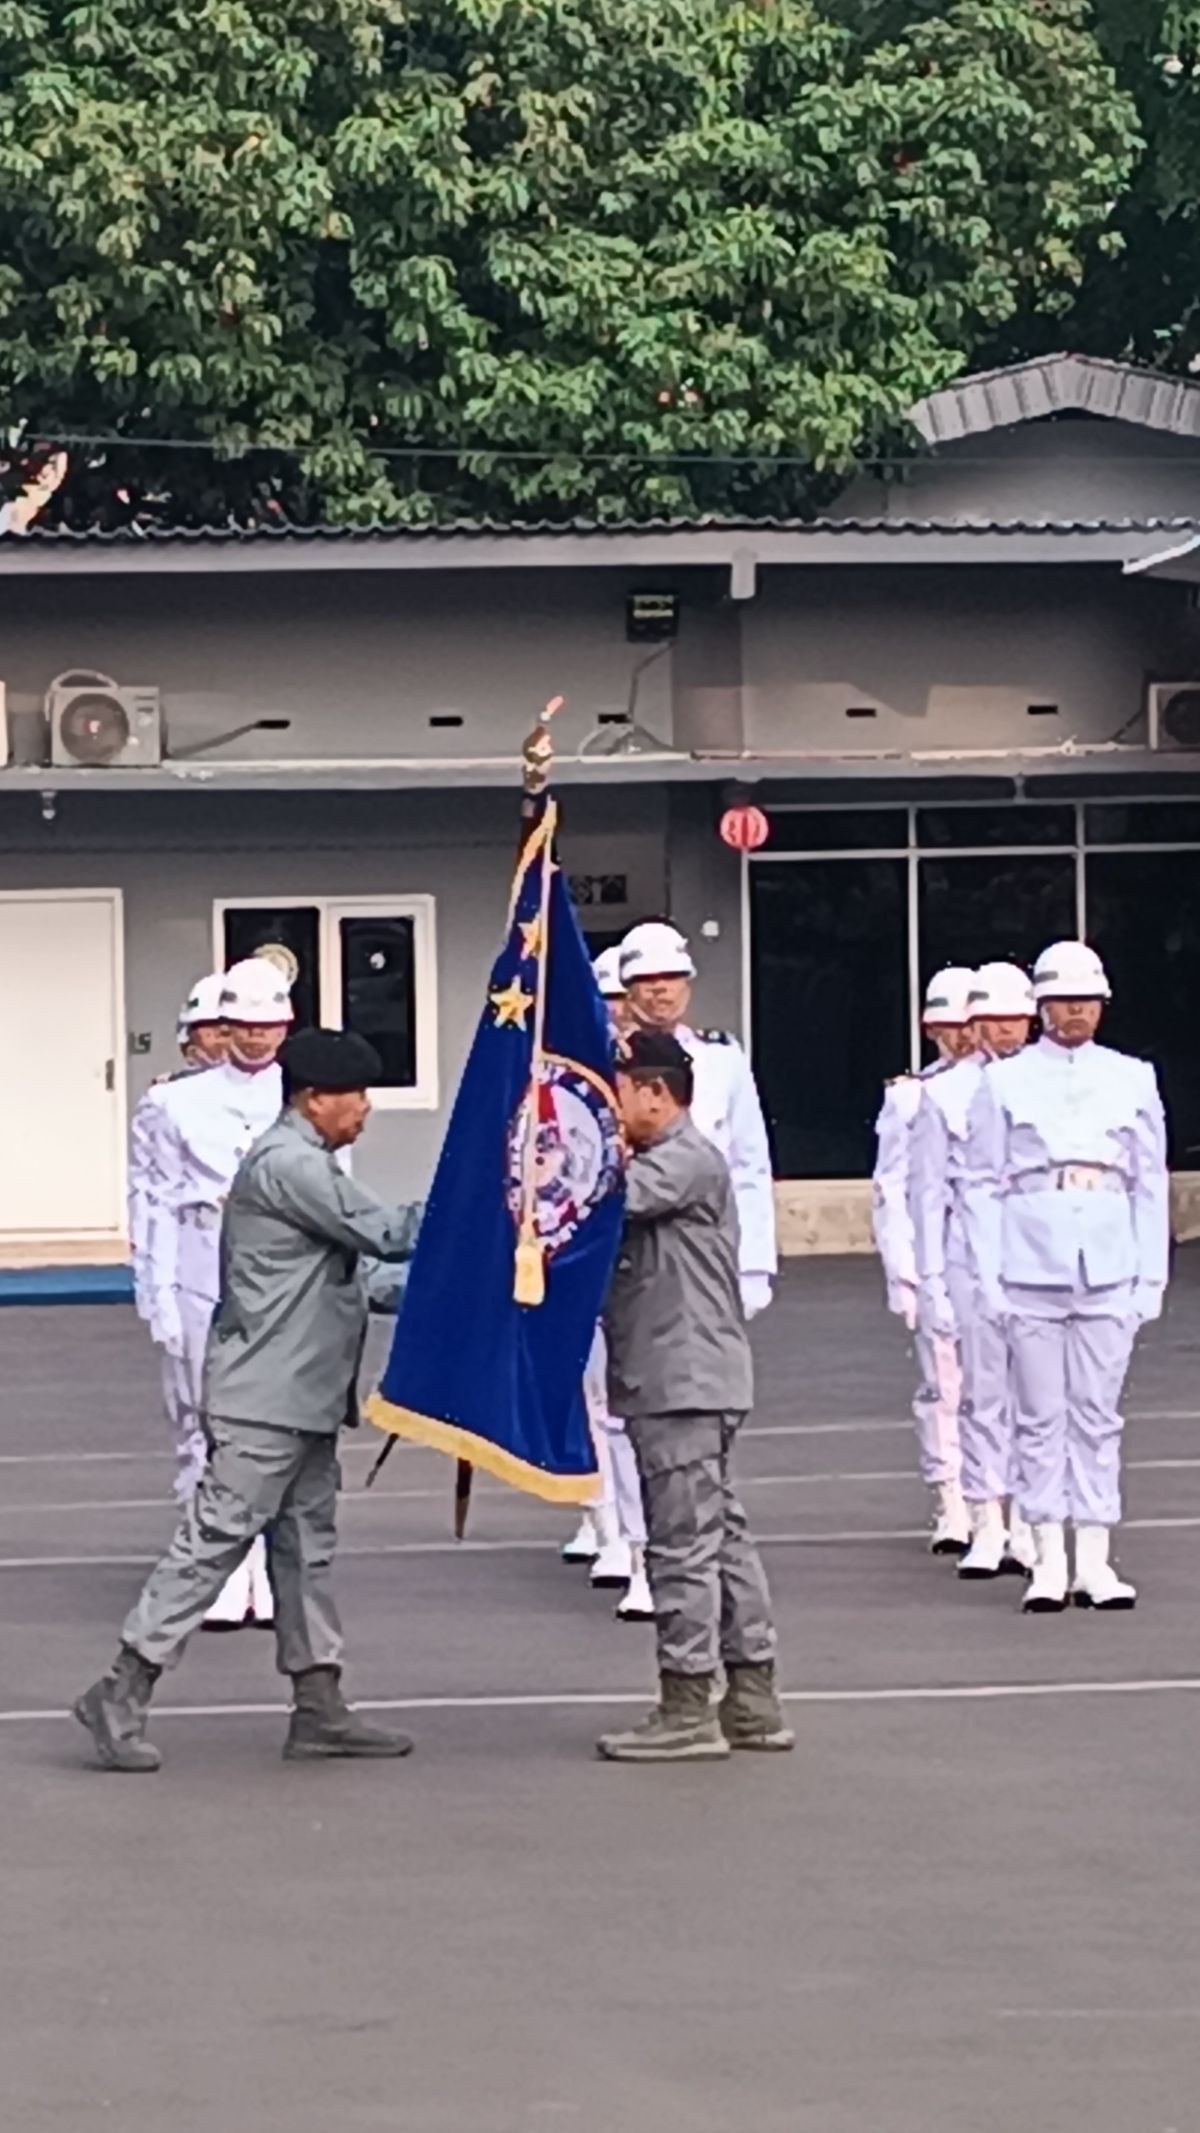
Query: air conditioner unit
[1173, 716]
[96, 724]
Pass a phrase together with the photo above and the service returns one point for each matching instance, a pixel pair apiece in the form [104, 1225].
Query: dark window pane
[830, 1006]
[837, 829]
[992, 910]
[295, 927]
[1143, 914]
[950, 828]
[1143, 822]
[378, 992]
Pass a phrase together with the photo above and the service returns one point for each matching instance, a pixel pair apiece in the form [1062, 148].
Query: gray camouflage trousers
[711, 1602]
[286, 1479]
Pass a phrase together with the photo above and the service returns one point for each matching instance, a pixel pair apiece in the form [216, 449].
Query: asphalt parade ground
[970, 1898]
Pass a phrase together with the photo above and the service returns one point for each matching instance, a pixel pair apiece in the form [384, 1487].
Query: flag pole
[537, 756]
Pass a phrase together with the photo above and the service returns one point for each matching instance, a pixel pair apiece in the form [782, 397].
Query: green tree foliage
[589, 256]
[1142, 298]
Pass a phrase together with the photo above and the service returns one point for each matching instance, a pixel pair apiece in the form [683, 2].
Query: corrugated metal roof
[1058, 385]
[542, 529]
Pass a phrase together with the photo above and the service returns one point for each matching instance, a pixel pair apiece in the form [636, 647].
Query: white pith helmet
[607, 972]
[256, 991]
[946, 998]
[203, 1003]
[1000, 989]
[1070, 970]
[655, 950]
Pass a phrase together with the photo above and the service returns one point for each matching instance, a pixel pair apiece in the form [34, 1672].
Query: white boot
[1096, 1583]
[232, 1605]
[1020, 1553]
[638, 1602]
[1046, 1592]
[262, 1598]
[613, 1565]
[986, 1552]
[951, 1522]
[584, 1544]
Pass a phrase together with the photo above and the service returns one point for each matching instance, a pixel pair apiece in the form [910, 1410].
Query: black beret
[652, 1051]
[335, 1059]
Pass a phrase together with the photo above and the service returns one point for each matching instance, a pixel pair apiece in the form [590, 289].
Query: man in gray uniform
[280, 1381]
[680, 1373]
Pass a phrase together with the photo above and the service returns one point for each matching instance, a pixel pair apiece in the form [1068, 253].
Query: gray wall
[359, 662]
[951, 659]
[173, 855]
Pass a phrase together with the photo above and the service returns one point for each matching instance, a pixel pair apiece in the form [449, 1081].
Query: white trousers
[616, 1461]
[987, 1414]
[1069, 1366]
[935, 1408]
[191, 1449]
[195, 1318]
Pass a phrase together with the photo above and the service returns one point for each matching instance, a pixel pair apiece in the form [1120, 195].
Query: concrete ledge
[827, 1216]
[823, 1215]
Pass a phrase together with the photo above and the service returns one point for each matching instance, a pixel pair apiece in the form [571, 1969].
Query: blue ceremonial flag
[524, 1215]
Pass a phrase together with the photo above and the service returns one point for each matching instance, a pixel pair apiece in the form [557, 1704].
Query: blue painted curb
[65, 1285]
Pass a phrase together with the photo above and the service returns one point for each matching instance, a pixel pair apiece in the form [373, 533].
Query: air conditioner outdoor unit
[96, 724]
[1173, 716]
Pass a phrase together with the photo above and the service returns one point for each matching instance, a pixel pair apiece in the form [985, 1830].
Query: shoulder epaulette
[894, 1080]
[716, 1036]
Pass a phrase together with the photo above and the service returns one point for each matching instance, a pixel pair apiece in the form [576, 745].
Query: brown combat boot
[751, 1714]
[115, 1709]
[323, 1725]
[682, 1727]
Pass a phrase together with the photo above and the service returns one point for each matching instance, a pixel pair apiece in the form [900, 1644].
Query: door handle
[110, 1075]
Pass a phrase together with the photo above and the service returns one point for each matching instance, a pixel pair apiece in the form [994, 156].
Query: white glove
[756, 1293]
[902, 1302]
[166, 1326]
[1147, 1302]
[935, 1312]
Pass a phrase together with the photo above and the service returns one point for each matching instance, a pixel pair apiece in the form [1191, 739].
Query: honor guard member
[680, 1371]
[657, 970]
[935, 1406]
[202, 1039]
[209, 1123]
[304, 1252]
[1072, 1240]
[611, 1534]
[1001, 1007]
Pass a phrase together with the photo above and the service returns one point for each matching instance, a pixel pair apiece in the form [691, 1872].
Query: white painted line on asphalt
[366, 1446]
[970, 1692]
[382, 1550]
[166, 1503]
[358, 1497]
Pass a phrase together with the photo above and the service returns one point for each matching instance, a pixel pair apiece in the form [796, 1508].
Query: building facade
[942, 696]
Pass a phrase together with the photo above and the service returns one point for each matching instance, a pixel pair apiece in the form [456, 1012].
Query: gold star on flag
[512, 1003]
[531, 936]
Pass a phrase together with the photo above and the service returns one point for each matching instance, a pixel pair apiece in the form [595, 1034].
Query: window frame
[421, 909]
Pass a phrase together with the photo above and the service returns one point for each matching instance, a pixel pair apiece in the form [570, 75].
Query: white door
[62, 1123]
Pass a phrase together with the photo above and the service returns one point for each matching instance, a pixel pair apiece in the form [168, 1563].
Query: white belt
[1070, 1177]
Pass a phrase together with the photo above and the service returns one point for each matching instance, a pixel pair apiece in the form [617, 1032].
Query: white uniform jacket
[207, 1124]
[727, 1111]
[935, 1185]
[891, 1216]
[1067, 1170]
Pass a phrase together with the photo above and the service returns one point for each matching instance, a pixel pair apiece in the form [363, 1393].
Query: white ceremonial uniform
[727, 1110]
[620, 1483]
[1069, 1219]
[144, 1194]
[948, 1283]
[936, 1402]
[207, 1123]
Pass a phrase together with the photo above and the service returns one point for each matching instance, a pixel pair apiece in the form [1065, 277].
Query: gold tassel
[529, 1273]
